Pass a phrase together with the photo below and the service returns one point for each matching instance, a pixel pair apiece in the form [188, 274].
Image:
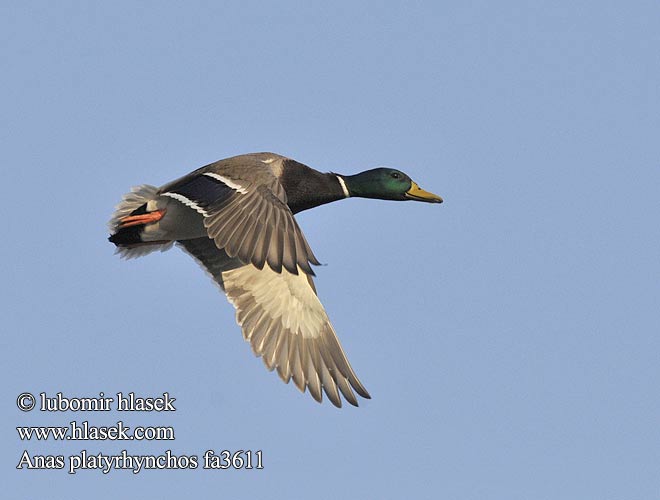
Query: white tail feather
[138, 196]
[135, 251]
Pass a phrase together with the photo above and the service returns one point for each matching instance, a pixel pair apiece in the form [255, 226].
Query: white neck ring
[342, 182]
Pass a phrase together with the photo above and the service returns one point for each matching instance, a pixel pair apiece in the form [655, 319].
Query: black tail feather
[127, 236]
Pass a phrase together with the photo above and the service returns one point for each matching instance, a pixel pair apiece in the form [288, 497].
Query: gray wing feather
[231, 225]
[246, 213]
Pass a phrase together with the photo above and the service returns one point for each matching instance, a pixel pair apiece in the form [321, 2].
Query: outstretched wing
[285, 323]
[245, 213]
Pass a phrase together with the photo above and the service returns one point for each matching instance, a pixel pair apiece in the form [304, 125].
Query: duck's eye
[396, 175]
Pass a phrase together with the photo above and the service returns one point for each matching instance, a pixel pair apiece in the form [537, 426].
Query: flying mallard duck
[235, 217]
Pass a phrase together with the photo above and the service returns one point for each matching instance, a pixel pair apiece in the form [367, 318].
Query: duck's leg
[141, 219]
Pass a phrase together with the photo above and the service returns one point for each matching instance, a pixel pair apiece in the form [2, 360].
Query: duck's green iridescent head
[387, 184]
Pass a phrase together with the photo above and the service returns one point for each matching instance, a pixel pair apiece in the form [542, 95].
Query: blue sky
[508, 337]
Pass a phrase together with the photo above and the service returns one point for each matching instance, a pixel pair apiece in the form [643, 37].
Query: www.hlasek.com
[84, 431]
